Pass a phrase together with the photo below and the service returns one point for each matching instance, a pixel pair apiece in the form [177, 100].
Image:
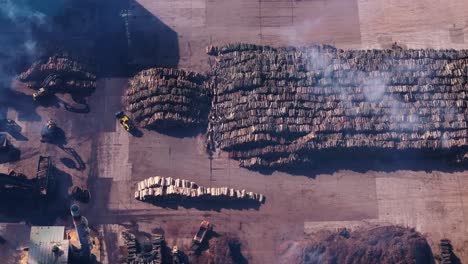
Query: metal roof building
[44, 241]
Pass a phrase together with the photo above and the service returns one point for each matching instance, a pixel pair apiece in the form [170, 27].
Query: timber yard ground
[433, 201]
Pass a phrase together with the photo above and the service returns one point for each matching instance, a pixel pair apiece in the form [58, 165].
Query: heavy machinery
[205, 227]
[50, 132]
[47, 88]
[8, 152]
[125, 121]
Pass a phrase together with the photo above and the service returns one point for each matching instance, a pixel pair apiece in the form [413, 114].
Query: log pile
[76, 77]
[162, 97]
[158, 188]
[280, 106]
[380, 245]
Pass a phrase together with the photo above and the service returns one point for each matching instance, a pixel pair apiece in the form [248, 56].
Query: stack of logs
[162, 97]
[157, 188]
[77, 77]
[276, 107]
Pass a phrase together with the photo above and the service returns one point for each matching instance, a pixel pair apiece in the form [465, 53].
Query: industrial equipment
[47, 88]
[50, 132]
[125, 121]
[82, 229]
[205, 227]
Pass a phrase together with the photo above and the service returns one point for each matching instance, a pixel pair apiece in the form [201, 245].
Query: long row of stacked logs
[77, 77]
[161, 97]
[276, 107]
[157, 188]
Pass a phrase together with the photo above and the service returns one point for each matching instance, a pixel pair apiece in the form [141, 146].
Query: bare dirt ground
[434, 202]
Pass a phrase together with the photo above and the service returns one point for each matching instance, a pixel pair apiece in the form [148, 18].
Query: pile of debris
[162, 98]
[143, 254]
[222, 249]
[389, 244]
[71, 75]
[167, 188]
[276, 107]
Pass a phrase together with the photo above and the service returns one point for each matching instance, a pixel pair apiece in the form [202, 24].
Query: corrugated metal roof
[43, 239]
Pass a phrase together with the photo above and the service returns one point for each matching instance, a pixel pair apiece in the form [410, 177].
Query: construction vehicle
[125, 121]
[205, 227]
[50, 132]
[47, 88]
[8, 152]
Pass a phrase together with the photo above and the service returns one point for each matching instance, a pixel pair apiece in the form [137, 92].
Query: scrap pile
[388, 244]
[225, 248]
[138, 254]
[167, 188]
[162, 97]
[276, 107]
[75, 77]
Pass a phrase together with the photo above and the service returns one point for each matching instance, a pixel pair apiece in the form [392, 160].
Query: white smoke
[19, 12]
[18, 44]
[374, 89]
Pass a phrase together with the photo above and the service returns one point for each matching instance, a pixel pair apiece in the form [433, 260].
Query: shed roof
[43, 239]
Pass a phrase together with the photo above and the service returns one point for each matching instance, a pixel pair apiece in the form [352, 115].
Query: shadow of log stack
[156, 189]
[446, 253]
[279, 107]
[162, 98]
[76, 77]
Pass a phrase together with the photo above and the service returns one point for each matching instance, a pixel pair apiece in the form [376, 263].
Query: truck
[200, 236]
[125, 121]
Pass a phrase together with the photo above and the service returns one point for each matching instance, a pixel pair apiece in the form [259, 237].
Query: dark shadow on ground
[130, 39]
[23, 205]
[12, 128]
[120, 36]
[136, 132]
[207, 205]
[21, 102]
[77, 162]
[83, 107]
[362, 161]
[180, 132]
